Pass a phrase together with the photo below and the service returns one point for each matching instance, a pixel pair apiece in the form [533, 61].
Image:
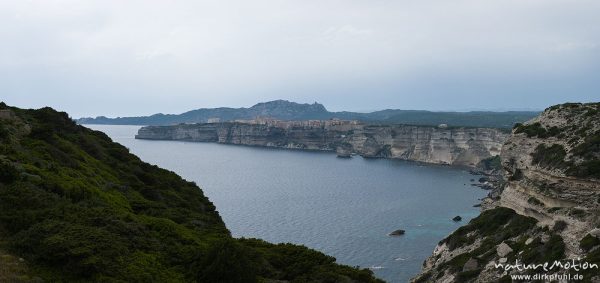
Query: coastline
[453, 146]
[430, 231]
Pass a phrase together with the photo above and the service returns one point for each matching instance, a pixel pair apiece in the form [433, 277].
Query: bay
[342, 207]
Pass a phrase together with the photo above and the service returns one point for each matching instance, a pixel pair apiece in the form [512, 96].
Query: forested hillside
[76, 206]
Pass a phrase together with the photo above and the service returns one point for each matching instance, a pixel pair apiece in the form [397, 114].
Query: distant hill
[286, 110]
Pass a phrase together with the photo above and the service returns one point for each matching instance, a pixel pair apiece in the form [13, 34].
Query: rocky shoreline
[544, 207]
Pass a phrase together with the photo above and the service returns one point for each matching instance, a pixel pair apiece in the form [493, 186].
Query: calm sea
[342, 207]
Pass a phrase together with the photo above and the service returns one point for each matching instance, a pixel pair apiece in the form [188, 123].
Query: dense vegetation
[588, 242]
[536, 130]
[589, 152]
[490, 163]
[539, 251]
[550, 156]
[78, 207]
[501, 223]
[285, 110]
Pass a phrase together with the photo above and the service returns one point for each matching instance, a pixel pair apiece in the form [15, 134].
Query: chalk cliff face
[553, 168]
[548, 210]
[459, 146]
[455, 146]
[296, 137]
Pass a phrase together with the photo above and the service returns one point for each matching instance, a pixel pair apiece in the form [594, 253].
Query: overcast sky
[124, 58]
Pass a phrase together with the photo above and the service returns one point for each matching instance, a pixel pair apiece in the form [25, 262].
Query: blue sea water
[342, 207]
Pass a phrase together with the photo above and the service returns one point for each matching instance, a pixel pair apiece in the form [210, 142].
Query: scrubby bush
[4, 133]
[589, 151]
[592, 112]
[226, 261]
[588, 242]
[491, 163]
[586, 169]
[559, 226]
[465, 276]
[537, 130]
[590, 148]
[538, 252]
[8, 172]
[553, 209]
[501, 222]
[517, 125]
[550, 157]
[426, 277]
[517, 175]
[535, 201]
[533, 130]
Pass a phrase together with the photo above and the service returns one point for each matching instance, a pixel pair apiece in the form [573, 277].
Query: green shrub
[535, 201]
[491, 163]
[550, 157]
[517, 125]
[559, 226]
[465, 276]
[592, 112]
[426, 277]
[577, 212]
[588, 242]
[589, 151]
[226, 261]
[589, 148]
[501, 223]
[300, 264]
[516, 176]
[4, 132]
[536, 130]
[586, 169]
[538, 252]
[553, 209]
[8, 172]
[456, 263]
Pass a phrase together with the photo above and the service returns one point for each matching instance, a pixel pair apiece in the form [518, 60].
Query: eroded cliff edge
[452, 146]
[547, 210]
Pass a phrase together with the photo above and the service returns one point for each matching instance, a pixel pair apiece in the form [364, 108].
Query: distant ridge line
[288, 111]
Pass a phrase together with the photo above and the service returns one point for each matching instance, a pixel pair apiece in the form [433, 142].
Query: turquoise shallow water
[342, 207]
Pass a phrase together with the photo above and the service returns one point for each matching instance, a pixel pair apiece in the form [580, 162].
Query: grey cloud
[141, 57]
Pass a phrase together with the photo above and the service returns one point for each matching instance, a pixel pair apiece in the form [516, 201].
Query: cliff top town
[268, 121]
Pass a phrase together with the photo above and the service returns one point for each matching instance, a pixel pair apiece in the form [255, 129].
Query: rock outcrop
[452, 146]
[548, 209]
[398, 232]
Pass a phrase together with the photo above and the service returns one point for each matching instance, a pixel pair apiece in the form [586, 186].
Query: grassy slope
[79, 207]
